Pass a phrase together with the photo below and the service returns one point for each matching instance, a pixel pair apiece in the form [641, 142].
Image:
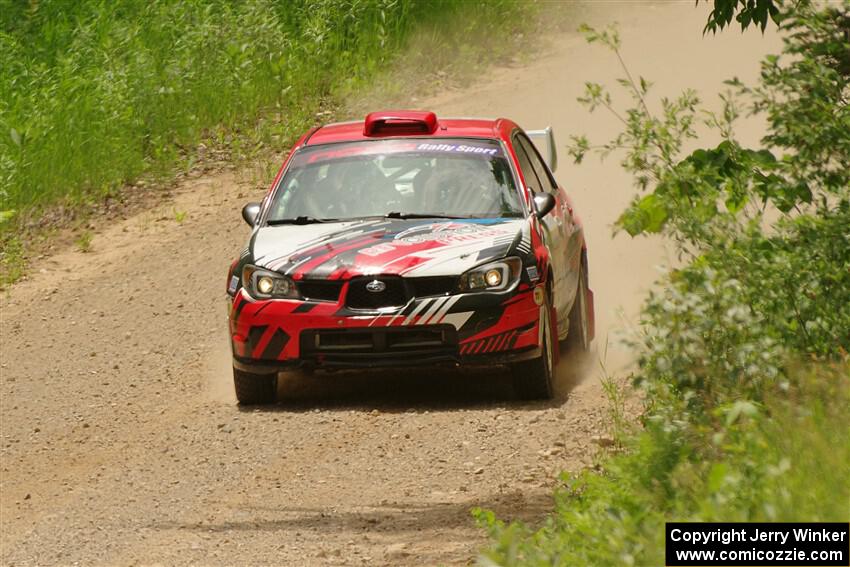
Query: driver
[350, 189]
[464, 190]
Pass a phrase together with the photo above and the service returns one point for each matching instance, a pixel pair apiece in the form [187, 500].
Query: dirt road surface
[120, 440]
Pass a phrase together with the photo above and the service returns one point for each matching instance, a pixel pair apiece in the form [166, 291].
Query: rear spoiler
[545, 138]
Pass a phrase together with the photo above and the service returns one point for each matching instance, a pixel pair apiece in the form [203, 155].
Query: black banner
[762, 544]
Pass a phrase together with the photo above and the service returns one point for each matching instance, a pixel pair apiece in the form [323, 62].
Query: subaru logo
[376, 286]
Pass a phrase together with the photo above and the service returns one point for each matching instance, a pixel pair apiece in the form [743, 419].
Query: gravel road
[120, 439]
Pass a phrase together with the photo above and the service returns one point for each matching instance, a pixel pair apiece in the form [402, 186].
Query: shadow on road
[425, 388]
[392, 533]
[385, 516]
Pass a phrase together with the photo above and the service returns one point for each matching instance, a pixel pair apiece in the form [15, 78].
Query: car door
[567, 246]
[553, 223]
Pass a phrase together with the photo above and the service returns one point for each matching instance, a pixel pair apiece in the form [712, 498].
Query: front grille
[380, 342]
[439, 285]
[319, 290]
[350, 340]
[420, 338]
[397, 291]
[394, 294]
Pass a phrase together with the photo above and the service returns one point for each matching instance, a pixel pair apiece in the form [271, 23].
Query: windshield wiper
[298, 220]
[400, 215]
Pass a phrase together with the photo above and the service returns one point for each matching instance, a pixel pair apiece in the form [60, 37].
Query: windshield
[402, 177]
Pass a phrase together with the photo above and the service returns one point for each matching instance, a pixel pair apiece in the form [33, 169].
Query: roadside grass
[98, 99]
[83, 240]
[448, 52]
[97, 94]
[616, 391]
[787, 459]
[12, 259]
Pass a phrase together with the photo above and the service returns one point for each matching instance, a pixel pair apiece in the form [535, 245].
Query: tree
[704, 197]
[771, 223]
[745, 12]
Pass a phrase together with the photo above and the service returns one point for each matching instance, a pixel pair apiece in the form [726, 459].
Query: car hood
[387, 246]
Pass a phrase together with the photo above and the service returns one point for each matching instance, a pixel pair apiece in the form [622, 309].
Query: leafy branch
[708, 196]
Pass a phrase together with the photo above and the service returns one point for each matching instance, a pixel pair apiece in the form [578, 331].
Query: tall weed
[94, 94]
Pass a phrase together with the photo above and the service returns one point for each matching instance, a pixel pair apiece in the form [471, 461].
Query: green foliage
[707, 197]
[616, 393]
[94, 94]
[726, 326]
[83, 241]
[7, 216]
[745, 12]
[744, 352]
[12, 259]
[805, 95]
[786, 459]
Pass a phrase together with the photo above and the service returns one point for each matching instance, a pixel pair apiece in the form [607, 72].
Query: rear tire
[577, 337]
[534, 379]
[254, 389]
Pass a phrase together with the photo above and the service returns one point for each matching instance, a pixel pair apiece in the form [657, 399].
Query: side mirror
[250, 212]
[543, 203]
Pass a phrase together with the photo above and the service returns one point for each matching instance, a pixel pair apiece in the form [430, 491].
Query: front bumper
[465, 329]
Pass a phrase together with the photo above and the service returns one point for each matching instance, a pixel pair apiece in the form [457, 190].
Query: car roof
[442, 128]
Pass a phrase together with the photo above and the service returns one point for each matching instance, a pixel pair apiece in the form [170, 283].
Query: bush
[726, 325]
[744, 352]
[784, 460]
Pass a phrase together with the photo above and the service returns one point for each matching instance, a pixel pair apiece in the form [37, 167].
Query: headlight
[494, 276]
[264, 284]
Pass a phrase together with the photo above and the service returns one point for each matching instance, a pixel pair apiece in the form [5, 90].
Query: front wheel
[578, 336]
[254, 389]
[533, 379]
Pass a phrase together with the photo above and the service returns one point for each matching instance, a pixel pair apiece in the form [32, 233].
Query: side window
[528, 172]
[539, 166]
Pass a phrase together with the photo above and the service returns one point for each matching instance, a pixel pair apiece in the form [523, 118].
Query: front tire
[578, 338]
[254, 389]
[534, 379]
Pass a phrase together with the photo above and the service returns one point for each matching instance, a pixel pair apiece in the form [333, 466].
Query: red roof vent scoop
[400, 123]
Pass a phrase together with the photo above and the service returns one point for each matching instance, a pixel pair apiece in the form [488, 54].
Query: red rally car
[405, 239]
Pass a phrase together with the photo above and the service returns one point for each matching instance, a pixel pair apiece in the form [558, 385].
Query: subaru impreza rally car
[405, 239]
